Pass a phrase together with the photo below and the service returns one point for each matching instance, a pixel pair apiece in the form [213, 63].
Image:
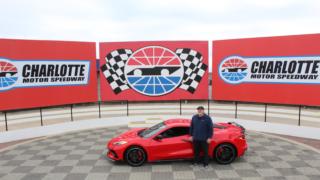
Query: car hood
[127, 136]
[132, 133]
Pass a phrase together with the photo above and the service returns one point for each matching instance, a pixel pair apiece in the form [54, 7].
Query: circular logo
[8, 74]
[233, 69]
[154, 71]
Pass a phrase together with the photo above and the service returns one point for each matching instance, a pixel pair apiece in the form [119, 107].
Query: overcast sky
[124, 20]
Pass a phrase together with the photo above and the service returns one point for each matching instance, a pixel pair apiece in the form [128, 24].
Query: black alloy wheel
[135, 156]
[225, 153]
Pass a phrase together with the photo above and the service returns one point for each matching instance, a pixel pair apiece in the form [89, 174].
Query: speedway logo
[293, 69]
[41, 73]
[154, 70]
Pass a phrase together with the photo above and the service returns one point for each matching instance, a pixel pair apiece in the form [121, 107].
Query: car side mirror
[158, 137]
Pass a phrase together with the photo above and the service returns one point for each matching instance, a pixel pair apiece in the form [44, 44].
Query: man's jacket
[201, 128]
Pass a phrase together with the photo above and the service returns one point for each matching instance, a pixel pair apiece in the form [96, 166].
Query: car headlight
[120, 143]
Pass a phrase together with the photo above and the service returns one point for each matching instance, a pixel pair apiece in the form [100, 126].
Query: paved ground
[315, 143]
[12, 143]
[78, 156]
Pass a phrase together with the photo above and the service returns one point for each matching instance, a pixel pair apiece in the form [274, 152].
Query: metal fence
[295, 115]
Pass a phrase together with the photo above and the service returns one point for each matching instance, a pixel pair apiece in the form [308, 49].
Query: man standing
[201, 131]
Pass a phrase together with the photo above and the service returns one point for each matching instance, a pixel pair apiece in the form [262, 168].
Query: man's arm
[191, 127]
[210, 130]
[191, 130]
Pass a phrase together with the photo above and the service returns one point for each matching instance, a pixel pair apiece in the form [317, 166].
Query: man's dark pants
[197, 147]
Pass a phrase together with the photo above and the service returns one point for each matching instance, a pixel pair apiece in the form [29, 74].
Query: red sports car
[169, 140]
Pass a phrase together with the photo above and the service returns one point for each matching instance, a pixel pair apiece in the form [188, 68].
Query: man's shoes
[195, 165]
[205, 166]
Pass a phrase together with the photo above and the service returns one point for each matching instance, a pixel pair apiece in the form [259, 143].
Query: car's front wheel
[225, 153]
[135, 156]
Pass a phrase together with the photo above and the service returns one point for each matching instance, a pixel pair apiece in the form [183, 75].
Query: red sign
[158, 70]
[46, 73]
[283, 70]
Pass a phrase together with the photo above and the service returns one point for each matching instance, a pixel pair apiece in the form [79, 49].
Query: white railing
[292, 115]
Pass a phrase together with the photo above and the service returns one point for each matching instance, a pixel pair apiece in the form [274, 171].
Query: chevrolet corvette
[170, 140]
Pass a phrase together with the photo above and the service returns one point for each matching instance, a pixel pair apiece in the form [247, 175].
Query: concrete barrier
[226, 111]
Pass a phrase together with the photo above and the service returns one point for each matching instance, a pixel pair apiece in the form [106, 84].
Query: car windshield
[152, 130]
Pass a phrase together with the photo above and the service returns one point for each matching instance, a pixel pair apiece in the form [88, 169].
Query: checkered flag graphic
[194, 68]
[113, 70]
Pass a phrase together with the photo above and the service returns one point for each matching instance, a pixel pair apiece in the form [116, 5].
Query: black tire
[135, 156]
[225, 153]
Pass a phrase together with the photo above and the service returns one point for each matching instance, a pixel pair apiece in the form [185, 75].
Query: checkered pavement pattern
[113, 70]
[194, 68]
[77, 156]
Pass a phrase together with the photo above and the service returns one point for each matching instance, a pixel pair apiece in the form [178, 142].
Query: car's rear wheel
[225, 153]
[135, 156]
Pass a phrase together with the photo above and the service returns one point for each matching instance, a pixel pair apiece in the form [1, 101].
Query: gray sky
[125, 20]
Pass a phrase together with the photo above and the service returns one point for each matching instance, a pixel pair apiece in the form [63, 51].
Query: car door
[173, 144]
